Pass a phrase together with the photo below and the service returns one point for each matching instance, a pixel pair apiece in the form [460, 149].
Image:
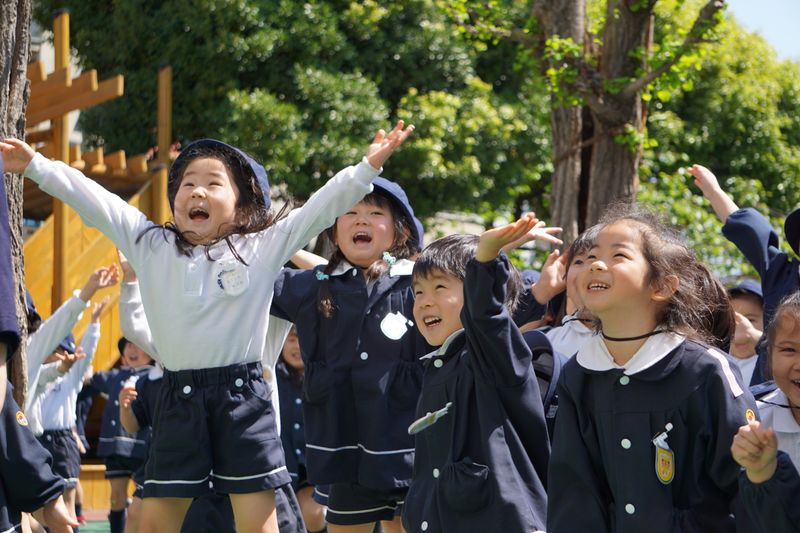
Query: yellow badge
[21, 418]
[665, 465]
[749, 415]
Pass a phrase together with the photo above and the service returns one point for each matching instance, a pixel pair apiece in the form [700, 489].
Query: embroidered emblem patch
[749, 415]
[21, 420]
[231, 276]
[394, 325]
[665, 457]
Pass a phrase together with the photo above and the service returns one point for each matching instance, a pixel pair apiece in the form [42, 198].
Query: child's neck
[626, 327]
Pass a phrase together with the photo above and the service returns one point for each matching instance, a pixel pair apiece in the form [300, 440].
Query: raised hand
[552, 278]
[99, 279]
[68, 360]
[97, 309]
[539, 232]
[756, 450]
[383, 145]
[705, 180]
[16, 155]
[127, 395]
[128, 273]
[494, 240]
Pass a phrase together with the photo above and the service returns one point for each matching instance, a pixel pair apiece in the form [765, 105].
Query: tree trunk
[15, 22]
[614, 167]
[566, 19]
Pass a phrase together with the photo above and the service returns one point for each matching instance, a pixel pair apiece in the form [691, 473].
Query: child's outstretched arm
[706, 181]
[113, 216]
[340, 193]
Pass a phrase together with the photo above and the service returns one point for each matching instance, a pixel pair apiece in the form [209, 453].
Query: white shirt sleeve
[133, 320]
[334, 198]
[98, 207]
[89, 344]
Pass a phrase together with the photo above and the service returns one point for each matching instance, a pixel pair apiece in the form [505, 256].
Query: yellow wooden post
[61, 143]
[161, 211]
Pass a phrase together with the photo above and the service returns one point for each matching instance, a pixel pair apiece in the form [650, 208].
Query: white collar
[445, 345]
[594, 354]
[782, 419]
[155, 373]
[402, 267]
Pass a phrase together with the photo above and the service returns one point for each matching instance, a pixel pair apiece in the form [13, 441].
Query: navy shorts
[9, 519]
[66, 458]
[121, 466]
[214, 424]
[350, 504]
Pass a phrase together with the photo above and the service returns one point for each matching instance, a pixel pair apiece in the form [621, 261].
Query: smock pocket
[318, 382]
[465, 486]
[405, 386]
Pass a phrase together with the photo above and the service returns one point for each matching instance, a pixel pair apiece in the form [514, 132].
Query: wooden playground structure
[63, 252]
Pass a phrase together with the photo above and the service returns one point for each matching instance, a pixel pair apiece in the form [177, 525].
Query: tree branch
[695, 36]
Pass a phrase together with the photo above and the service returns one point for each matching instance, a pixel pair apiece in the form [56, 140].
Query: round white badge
[394, 325]
[232, 276]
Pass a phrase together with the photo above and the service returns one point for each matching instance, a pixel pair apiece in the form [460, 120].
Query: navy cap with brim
[31, 308]
[68, 344]
[396, 193]
[791, 230]
[258, 170]
[747, 286]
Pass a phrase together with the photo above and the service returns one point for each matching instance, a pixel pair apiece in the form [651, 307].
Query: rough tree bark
[15, 21]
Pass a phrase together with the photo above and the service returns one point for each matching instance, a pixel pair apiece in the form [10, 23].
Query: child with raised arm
[753, 234]
[206, 281]
[27, 482]
[649, 405]
[481, 442]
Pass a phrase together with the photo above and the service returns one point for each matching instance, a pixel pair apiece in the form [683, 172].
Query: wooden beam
[36, 71]
[160, 207]
[137, 164]
[94, 157]
[55, 93]
[60, 291]
[39, 136]
[106, 90]
[55, 81]
[74, 152]
[116, 160]
[48, 150]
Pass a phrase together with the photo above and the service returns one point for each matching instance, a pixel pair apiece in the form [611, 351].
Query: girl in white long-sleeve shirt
[206, 281]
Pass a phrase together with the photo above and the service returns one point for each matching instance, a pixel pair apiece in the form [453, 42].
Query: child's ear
[665, 290]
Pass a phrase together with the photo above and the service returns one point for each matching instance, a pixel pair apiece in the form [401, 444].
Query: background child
[208, 312]
[646, 407]
[289, 372]
[755, 238]
[481, 465]
[361, 355]
[748, 307]
[122, 452]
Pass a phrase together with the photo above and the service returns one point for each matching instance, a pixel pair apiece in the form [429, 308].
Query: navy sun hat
[421, 233]
[394, 192]
[68, 344]
[258, 170]
[791, 230]
[747, 286]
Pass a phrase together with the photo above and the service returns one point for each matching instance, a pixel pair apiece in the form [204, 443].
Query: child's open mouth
[198, 213]
[362, 237]
[431, 321]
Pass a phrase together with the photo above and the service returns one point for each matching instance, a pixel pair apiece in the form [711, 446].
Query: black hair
[252, 214]
[450, 255]
[121, 344]
[699, 308]
[402, 247]
[788, 308]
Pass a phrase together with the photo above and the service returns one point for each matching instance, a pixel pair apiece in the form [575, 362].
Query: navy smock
[603, 473]
[774, 505]
[363, 374]
[758, 241]
[290, 392]
[483, 465]
[114, 440]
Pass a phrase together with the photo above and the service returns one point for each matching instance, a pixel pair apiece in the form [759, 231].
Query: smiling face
[615, 283]
[438, 299]
[291, 351]
[364, 232]
[135, 357]
[206, 200]
[785, 360]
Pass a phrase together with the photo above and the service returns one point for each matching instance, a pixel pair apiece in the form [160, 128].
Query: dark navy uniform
[124, 452]
[482, 466]
[758, 241]
[775, 504]
[528, 309]
[290, 391]
[646, 447]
